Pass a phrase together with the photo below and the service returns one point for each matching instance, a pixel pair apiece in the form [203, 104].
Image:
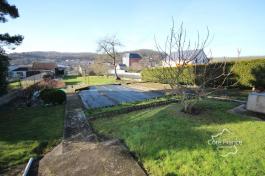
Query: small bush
[92, 73]
[45, 95]
[53, 96]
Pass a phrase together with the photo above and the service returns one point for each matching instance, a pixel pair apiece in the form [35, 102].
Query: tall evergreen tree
[6, 41]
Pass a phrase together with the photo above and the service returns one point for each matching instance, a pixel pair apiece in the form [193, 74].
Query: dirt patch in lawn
[149, 86]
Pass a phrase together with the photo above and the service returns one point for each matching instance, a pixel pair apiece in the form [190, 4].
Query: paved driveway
[109, 95]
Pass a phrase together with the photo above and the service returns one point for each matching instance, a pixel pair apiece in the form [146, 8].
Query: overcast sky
[76, 26]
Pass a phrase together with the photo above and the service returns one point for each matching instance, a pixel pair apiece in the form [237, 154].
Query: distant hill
[60, 57]
[29, 57]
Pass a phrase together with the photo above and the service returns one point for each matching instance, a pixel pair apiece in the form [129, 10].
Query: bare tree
[109, 46]
[98, 69]
[184, 68]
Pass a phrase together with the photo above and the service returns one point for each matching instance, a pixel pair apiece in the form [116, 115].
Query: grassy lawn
[90, 80]
[233, 94]
[14, 85]
[27, 132]
[169, 142]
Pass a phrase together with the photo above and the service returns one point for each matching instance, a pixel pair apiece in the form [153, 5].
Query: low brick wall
[133, 108]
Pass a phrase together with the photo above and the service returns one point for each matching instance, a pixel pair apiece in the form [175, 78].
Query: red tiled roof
[44, 66]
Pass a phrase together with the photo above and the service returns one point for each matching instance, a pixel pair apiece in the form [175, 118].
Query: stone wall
[132, 108]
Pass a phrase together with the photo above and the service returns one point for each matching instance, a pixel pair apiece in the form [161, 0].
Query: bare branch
[180, 59]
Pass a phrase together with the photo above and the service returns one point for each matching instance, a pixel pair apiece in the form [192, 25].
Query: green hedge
[245, 73]
[165, 75]
[53, 96]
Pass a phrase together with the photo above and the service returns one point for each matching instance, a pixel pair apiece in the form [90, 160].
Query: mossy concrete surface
[83, 153]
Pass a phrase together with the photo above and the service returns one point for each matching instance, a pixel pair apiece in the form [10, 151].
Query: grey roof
[133, 55]
[199, 55]
[21, 69]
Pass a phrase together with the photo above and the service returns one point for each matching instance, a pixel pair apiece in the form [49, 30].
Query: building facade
[130, 58]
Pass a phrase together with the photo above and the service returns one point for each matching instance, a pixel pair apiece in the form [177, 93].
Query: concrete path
[109, 95]
[83, 153]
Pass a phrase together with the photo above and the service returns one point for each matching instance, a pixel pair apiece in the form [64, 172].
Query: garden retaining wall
[133, 108]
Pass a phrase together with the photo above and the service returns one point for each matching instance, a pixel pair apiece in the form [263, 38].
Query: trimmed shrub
[53, 96]
[245, 74]
[243, 71]
[214, 74]
[59, 97]
[45, 95]
[167, 74]
[259, 77]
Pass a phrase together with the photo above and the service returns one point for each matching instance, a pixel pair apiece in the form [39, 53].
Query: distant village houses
[20, 72]
[44, 66]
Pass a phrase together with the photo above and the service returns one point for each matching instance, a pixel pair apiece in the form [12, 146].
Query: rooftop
[44, 66]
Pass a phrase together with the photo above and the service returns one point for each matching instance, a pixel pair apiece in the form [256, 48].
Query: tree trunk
[115, 70]
[114, 63]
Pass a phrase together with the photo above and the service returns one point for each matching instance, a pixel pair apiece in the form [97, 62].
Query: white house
[189, 56]
[19, 72]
